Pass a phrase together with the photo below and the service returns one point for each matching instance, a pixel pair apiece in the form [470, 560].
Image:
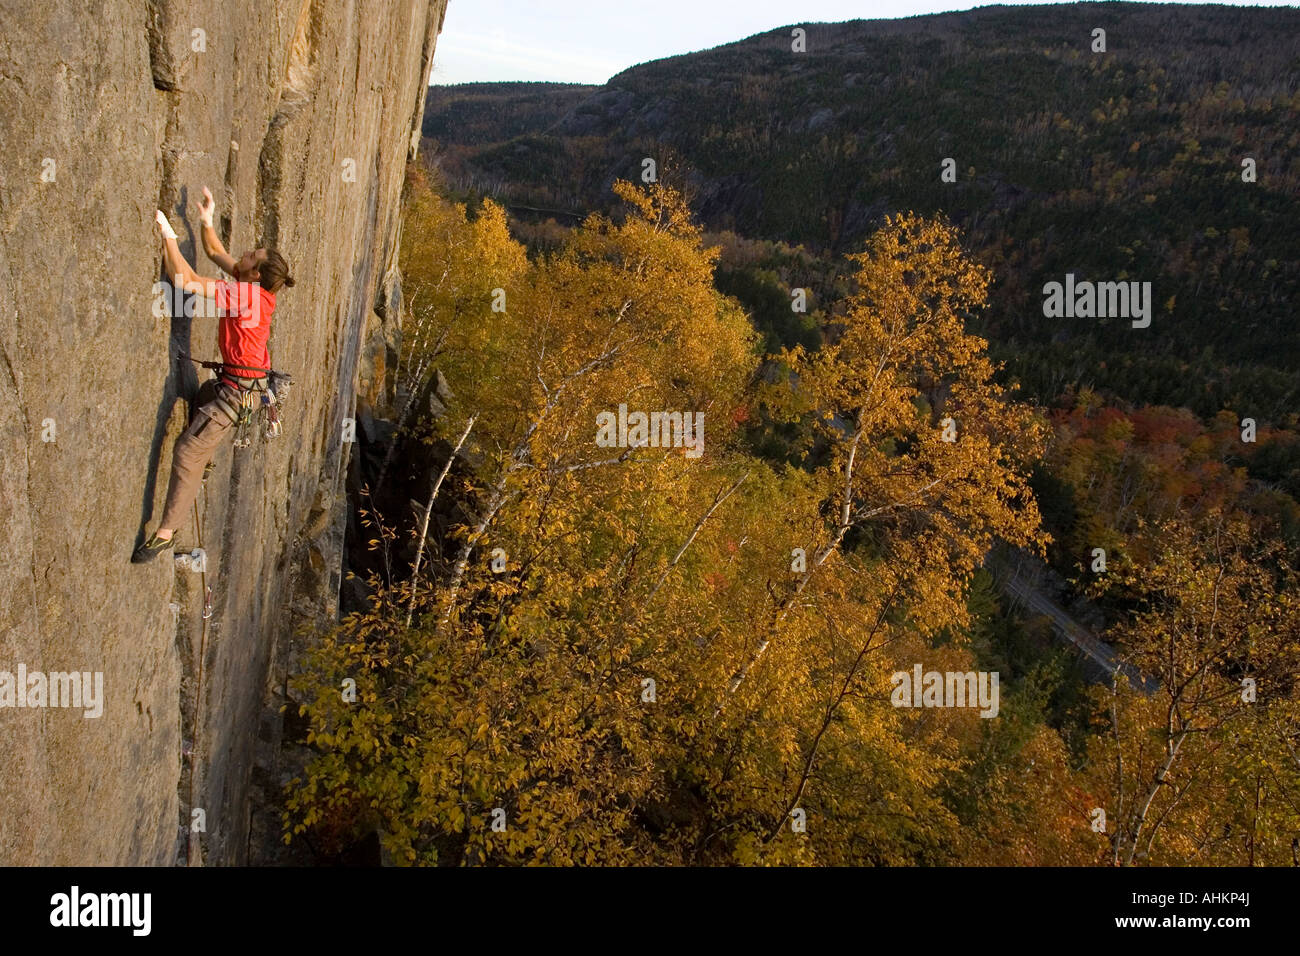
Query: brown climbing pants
[209, 424]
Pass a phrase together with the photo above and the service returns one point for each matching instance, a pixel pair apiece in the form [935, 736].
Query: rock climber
[244, 308]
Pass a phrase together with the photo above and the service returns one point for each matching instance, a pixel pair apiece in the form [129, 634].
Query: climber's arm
[178, 270]
[211, 243]
[216, 251]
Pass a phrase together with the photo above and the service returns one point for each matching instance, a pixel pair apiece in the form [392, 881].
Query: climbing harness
[258, 397]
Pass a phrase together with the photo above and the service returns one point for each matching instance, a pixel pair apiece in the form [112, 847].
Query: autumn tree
[640, 655]
[507, 685]
[1200, 763]
[919, 465]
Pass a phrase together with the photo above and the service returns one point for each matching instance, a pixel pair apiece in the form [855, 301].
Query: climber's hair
[274, 272]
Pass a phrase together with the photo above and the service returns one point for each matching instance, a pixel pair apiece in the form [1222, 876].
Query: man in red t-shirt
[245, 307]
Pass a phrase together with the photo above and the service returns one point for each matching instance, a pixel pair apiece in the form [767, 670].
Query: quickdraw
[261, 395]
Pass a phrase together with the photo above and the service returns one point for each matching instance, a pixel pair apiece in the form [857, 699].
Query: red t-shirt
[245, 326]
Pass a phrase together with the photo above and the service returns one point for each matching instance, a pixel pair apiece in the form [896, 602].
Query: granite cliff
[300, 115]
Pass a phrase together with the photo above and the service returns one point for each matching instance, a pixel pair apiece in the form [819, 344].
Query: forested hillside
[1119, 165]
[683, 654]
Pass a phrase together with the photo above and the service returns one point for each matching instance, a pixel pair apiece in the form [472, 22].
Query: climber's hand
[164, 226]
[207, 207]
[211, 243]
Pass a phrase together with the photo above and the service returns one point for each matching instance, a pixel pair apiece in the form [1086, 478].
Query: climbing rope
[193, 847]
[272, 390]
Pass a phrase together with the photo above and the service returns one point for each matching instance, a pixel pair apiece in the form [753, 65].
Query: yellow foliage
[513, 722]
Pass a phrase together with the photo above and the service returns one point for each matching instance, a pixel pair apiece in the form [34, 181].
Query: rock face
[299, 115]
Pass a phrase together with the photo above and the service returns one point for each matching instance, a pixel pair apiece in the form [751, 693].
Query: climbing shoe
[153, 547]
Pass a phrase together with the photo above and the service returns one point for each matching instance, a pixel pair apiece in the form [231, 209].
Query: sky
[588, 41]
